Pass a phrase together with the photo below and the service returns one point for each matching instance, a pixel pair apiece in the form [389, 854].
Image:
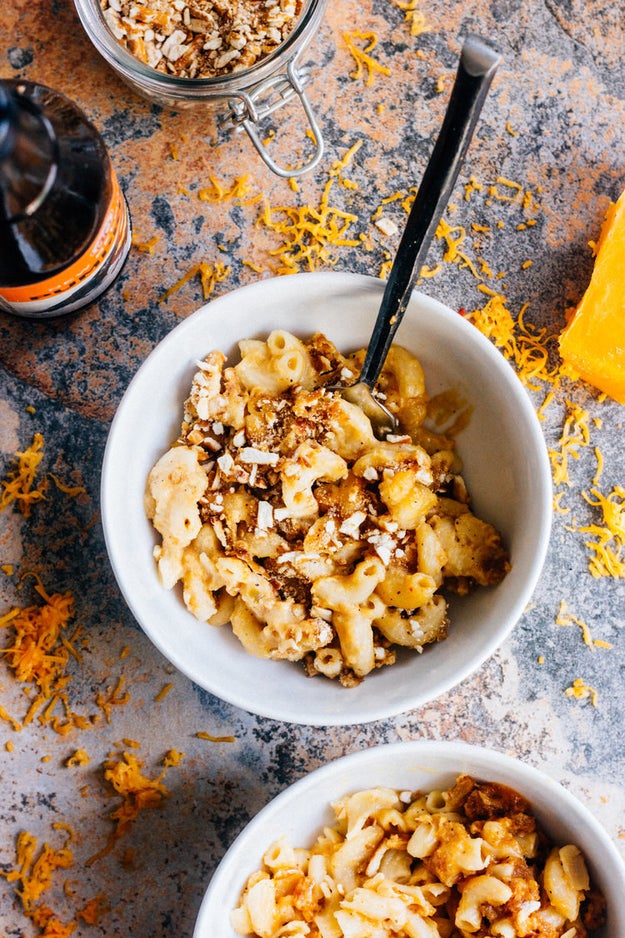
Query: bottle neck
[28, 155]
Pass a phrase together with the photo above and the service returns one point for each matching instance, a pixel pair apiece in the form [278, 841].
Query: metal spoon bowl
[476, 69]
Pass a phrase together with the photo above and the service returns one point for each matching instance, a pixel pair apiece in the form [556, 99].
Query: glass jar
[240, 100]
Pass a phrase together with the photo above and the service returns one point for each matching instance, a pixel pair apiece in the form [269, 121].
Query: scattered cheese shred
[79, 758]
[557, 504]
[217, 192]
[146, 247]
[138, 792]
[257, 268]
[13, 723]
[566, 618]
[608, 548]
[113, 698]
[19, 485]
[163, 692]
[454, 237]
[575, 434]
[599, 469]
[365, 63]
[33, 876]
[215, 739]
[210, 275]
[414, 17]
[308, 233]
[37, 655]
[580, 690]
[91, 913]
[540, 413]
[172, 758]
[472, 186]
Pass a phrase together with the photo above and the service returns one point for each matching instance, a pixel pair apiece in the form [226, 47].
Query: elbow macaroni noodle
[467, 862]
[281, 512]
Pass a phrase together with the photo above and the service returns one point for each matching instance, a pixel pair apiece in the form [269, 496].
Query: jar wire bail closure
[247, 112]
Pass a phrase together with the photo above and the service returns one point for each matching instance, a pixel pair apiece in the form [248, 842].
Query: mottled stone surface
[554, 123]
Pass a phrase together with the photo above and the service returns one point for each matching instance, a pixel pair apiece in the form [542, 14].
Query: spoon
[476, 69]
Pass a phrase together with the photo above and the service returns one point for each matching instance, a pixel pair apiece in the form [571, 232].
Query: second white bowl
[302, 811]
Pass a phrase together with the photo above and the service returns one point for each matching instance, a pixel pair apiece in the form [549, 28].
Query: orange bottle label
[85, 266]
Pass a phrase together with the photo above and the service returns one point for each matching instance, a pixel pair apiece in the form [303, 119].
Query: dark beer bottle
[64, 224]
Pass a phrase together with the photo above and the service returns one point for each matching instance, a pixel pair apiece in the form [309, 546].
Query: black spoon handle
[476, 69]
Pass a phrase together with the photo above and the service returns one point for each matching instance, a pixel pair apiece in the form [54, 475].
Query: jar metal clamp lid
[241, 99]
[247, 111]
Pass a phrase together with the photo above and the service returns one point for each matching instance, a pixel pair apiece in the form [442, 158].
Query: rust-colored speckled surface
[554, 124]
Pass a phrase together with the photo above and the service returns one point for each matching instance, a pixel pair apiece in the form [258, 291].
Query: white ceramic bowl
[505, 466]
[301, 811]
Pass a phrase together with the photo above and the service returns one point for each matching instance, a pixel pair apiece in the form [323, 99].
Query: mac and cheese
[280, 511]
[467, 862]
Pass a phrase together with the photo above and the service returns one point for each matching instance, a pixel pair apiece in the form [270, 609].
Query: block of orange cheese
[593, 342]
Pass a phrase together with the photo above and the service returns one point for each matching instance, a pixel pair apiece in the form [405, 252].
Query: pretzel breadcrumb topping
[281, 513]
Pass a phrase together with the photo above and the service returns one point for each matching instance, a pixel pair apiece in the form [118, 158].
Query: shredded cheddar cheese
[210, 275]
[216, 192]
[575, 434]
[146, 247]
[33, 876]
[580, 690]
[163, 692]
[557, 504]
[414, 17]
[472, 186]
[19, 485]
[608, 548]
[365, 63]
[309, 234]
[91, 913]
[13, 723]
[215, 739]
[79, 758]
[566, 618]
[454, 236]
[113, 698]
[138, 792]
[37, 655]
[599, 469]
[172, 758]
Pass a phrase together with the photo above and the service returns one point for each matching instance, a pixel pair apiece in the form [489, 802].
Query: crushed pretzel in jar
[200, 38]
